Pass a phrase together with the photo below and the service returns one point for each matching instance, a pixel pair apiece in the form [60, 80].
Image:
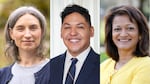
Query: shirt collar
[81, 57]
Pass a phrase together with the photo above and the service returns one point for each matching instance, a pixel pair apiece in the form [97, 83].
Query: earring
[11, 41]
[139, 37]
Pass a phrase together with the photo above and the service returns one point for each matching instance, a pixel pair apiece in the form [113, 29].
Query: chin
[124, 48]
[74, 49]
[29, 48]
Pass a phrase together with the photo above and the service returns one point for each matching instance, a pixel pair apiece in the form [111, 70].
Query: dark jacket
[89, 73]
[41, 77]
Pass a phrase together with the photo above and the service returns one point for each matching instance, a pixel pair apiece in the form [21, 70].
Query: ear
[11, 33]
[91, 31]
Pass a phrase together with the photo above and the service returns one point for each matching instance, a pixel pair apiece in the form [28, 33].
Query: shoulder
[142, 70]
[147, 58]
[5, 69]
[106, 63]
[58, 58]
[143, 62]
[140, 66]
[46, 64]
[92, 52]
[43, 76]
[5, 72]
[93, 55]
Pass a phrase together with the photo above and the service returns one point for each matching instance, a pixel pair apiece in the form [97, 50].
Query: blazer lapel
[88, 67]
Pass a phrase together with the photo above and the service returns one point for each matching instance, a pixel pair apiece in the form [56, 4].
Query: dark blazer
[41, 77]
[89, 74]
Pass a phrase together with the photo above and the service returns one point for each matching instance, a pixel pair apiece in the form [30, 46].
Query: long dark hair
[133, 13]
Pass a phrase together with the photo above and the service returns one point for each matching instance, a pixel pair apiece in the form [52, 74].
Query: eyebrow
[76, 24]
[19, 26]
[65, 24]
[81, 24]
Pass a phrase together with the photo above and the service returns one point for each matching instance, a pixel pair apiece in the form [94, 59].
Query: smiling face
[76, 33]
[26, 33]
[125, 33]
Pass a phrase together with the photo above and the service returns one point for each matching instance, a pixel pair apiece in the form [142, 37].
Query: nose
[73, 31]
[123, 33]
[27, 33]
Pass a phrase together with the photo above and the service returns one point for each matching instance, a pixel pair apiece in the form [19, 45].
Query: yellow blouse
[136, 71]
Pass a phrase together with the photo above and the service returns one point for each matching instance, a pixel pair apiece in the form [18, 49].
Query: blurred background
[143, 5]
[7, 6]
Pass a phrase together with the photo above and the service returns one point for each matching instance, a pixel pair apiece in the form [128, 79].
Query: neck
[29, 58]
[124, 57]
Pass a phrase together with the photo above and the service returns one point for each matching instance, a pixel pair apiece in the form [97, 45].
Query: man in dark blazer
[76, 31]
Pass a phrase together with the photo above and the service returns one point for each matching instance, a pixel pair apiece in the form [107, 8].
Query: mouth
[28, 41]
[74, 40]
[124, 40]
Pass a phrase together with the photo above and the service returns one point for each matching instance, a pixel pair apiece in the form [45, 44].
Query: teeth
[123, 40]
[74, 40]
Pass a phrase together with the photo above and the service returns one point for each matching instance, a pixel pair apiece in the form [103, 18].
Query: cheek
[16, 36]
[17, 40]
[114, 36]
[136, 37]
[64, 34]
[134, 34]
[39, 35]
[86, 35]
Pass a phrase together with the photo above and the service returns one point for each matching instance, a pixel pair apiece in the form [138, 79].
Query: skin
[76, 33]
[27, 36]
[125, 35]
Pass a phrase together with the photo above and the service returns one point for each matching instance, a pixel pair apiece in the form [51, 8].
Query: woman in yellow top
[127, 45]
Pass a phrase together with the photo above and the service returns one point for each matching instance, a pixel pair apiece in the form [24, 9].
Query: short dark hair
[133, 13]
[76, 8]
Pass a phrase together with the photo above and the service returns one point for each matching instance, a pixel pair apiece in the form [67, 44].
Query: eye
[19, 28]
[130, 28]
[117, 29]
[33, 27]
[81, 27]
[66, 27]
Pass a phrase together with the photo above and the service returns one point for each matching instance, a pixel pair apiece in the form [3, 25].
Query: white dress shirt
[81, 58]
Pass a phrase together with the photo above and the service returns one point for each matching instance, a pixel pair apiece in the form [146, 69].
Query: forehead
[28, 15]
[123, 19]
[75, 14]
[28, 18]
[74, 17]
